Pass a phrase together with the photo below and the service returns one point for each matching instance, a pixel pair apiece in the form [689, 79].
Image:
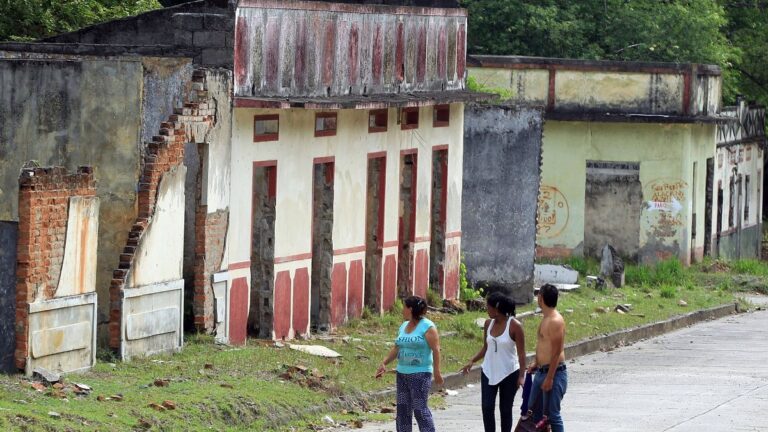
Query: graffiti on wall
[553, 212]
[667, 196]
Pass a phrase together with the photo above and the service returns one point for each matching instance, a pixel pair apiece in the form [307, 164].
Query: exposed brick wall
[164, 152]
[44, 195]
[210, 238]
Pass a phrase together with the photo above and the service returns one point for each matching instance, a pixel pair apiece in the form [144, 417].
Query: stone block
[554, 274]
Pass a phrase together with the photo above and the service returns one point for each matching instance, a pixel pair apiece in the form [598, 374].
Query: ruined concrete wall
[672, 189]
[146, 293]
[70, 113]
[9, 236]
[612, 208]
[501, 184]
[207, 227]
[203, 28]
[323, 49]
[56, 264]
[587, 86]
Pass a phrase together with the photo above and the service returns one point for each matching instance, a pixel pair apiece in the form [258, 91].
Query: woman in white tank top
[503, 354]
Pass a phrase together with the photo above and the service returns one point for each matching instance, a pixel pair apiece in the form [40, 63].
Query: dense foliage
[34, 19]
[730, 33]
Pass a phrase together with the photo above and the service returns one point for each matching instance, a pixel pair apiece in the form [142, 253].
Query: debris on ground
[43, 374]
[455, 305]
[304, 377]
[554, 274]
[716, 267]
[315, 350]
[682, 303]
[476, 304]
[612, 266]
[623, 308]
[162, 382]
[601, 309]
[596, 282]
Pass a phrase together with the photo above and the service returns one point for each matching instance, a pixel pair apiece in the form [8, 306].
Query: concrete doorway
[613, 204]
[438, 216]
[407, 223]
[374, 232]
[322, 246]
[260, 316]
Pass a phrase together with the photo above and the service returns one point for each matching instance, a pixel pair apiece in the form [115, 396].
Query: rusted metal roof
[364, 101]
[327, 50]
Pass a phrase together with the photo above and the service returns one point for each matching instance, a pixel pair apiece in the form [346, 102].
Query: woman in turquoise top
[417, 349]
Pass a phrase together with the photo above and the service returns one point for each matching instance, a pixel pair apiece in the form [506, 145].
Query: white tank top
[501, 356]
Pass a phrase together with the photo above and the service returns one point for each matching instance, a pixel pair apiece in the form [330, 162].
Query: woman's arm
[480, 354]
[390, 356]
[433, 340]
[518, 335]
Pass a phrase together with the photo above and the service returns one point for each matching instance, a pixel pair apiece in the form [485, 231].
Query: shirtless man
[551, 377]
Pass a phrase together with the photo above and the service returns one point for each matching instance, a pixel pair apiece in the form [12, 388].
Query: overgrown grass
[668, 272]
[749, 267]
[243, 388]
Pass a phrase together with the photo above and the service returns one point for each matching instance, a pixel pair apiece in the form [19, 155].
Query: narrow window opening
[377, 121]
[266, 127]
[325, 124]
[441, 116]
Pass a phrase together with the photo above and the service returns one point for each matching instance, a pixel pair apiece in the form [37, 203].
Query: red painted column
[238, 311]
[355, 304]
[282, 305]
[390, 282]
[338, 293]
[301, 302]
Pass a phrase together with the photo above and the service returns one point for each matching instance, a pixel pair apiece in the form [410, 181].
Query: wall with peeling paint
[71, 110]
[583, 86]
[294, 154]
[502, 156]
[666, 154]
[9, 235]
[739, 159]
[325, 49]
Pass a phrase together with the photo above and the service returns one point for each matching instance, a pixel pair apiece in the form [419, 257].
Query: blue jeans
[551, 399]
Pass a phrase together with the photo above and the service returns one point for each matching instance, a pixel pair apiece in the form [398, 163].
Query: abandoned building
[264, 168]
[624, 152]
[734, 212]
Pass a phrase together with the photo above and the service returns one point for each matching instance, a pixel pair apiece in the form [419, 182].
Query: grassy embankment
[226, 388]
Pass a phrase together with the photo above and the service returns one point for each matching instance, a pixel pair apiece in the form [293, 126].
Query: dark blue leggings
[412, 395]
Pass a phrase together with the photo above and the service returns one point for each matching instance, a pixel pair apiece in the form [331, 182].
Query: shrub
[668, 291]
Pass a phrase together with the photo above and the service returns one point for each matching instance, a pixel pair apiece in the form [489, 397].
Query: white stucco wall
[159, 256]
[295, 152]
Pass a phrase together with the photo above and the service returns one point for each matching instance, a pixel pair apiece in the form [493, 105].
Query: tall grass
[669, 272]
[749, 267]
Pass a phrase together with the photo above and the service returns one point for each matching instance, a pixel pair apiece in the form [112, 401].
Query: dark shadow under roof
[375, 101]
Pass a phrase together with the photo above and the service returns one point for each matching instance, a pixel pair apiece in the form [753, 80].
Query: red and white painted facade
[295, 60]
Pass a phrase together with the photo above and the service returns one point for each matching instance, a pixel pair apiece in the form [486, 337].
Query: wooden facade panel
[293, 52]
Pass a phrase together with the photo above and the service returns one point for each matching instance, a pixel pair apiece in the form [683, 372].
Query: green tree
[643, 30]
[34, 19]
[747, 30]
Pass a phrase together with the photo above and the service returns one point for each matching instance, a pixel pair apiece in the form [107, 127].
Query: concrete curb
[607, 341]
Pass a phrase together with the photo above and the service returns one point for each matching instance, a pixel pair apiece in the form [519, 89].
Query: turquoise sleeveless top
[414, 354]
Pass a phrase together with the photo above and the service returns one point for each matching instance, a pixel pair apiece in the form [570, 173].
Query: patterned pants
[412, 395]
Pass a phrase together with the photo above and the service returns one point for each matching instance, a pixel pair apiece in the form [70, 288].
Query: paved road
[709, 377]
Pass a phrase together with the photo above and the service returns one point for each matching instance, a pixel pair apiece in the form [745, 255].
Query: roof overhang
[395, 100]
[632, 118]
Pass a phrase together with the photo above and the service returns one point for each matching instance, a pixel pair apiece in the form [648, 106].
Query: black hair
[417, 305]
[502, 303]
[548, 293]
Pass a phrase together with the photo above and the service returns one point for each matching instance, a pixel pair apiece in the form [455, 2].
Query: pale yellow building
[624, 152]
